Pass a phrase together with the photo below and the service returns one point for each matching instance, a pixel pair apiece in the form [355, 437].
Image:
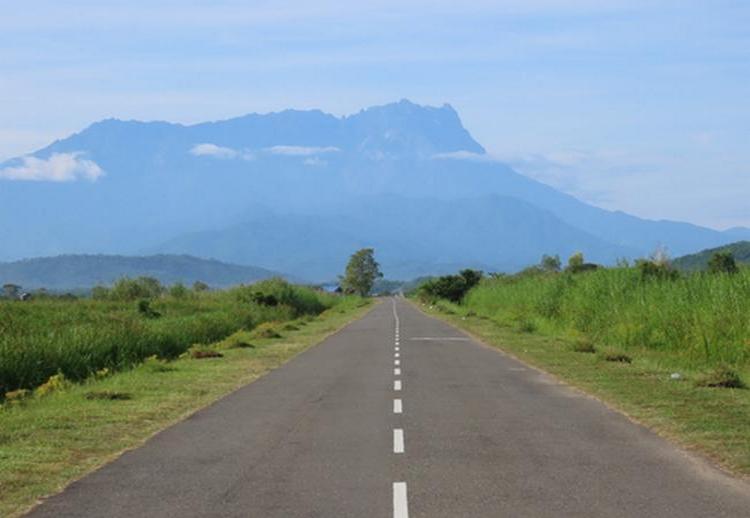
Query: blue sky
[642, 106]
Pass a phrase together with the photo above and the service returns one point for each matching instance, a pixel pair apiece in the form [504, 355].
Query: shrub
[53, 384]
[450, 287]
[145, 309]
[656, 270]
[723, 262]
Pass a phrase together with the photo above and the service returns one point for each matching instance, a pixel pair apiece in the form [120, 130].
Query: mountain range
[71, 272]
[298, 191]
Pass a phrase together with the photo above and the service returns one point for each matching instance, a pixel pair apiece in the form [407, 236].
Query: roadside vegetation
[669, 347]
[48, 340]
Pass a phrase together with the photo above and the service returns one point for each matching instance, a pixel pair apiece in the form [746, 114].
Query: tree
[723, 262]
[551, 263]
[576, 261]
[361, 272]
[12, 291]
[200, 286]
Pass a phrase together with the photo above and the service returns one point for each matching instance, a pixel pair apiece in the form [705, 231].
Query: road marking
[396, 362]
[397, 385]
[397, 372]
[400, 501]
[396, 355]
[440, 338]
[398, 440]
[398, 407]
[397, 348]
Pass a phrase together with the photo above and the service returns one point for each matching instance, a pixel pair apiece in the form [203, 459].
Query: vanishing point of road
[401, 415]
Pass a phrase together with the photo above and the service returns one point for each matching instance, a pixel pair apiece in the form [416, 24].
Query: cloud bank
[59, 167]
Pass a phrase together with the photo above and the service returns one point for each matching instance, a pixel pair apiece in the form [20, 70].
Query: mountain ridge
[73, 271]
[128, 186]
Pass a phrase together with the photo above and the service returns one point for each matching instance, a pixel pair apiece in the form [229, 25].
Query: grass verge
[47, 442]
[681, 406]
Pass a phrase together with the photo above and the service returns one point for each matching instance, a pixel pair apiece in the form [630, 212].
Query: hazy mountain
[411, 236]
[134, 186]
[699, 261]
[68, 272]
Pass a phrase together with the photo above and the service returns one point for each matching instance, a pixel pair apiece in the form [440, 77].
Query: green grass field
[78, 338]
[48, 440]
[698, 321]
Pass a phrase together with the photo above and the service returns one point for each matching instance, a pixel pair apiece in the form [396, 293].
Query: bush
[450, 287]
[723, 262]
[656, 270]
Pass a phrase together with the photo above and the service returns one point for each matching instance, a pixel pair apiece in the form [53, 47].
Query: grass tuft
[721, 377]
[617, 357]
[108, 395]
[583, 346]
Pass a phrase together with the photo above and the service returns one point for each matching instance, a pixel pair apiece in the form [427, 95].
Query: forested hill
[699, 261]
[66, 272]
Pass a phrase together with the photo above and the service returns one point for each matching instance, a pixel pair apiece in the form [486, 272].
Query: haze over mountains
[298, 191]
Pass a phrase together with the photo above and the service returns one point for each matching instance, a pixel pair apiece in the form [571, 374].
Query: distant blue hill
[69, 272]
[384, 176]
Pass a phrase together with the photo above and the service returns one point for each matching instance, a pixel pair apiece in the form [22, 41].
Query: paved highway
[401, 415]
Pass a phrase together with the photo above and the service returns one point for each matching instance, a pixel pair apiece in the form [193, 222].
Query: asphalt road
[402, 415]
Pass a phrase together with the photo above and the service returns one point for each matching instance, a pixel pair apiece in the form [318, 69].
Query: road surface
[402, 415]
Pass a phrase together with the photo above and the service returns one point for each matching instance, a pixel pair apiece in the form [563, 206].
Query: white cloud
[301, 150]
[59, 167]
[223, 153]
[213, 150]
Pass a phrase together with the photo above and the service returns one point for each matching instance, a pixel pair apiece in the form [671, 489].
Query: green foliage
[551, 263]
[11, 291]
[695, 320]
[695, 262]
[577, 264]
[179, 291]
[651, 269]
[80, 338]
[450, 287]
[127, 289]
[361, 273]
[723, 262]
[199, 286]
[145, 309]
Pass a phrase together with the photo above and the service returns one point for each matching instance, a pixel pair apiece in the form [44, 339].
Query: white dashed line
[398, 440]
[397, 372]
[400, 501]
[397, 348]
[397, 385]
[396, 355]
[396, 362]
[398, 407]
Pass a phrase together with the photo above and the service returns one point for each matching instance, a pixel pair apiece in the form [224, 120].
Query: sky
[640, 106]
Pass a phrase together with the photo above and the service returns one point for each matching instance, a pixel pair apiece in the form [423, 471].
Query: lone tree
[12, 291]
[723, 262]
[361, 272]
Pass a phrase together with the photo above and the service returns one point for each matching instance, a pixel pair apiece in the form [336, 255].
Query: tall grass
[702, 319]
[40, 338]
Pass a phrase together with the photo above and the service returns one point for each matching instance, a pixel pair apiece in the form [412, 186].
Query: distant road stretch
[402, 415]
